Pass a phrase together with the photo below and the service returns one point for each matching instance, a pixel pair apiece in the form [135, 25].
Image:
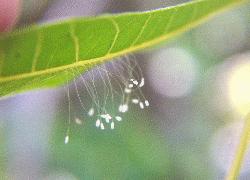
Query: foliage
[42, 56]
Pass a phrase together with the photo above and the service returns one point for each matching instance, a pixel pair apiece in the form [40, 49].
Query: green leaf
[42, 56]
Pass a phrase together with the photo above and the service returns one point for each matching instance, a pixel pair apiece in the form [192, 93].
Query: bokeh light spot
[173, 72]
[239, 88]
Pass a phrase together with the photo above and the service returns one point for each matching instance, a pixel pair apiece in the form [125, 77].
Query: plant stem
[241, 151]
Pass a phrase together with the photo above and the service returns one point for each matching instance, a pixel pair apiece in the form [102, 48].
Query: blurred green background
[199, 90]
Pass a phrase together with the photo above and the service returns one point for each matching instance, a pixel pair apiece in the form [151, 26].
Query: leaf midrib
[81, 63]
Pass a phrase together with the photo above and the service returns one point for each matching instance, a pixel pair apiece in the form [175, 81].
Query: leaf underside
[43, 56]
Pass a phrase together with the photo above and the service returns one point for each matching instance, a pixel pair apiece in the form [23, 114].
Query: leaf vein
[142, 30]
[75, 41]
[115, 24]
[37, 51]
[171, 20]
[2, 56]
